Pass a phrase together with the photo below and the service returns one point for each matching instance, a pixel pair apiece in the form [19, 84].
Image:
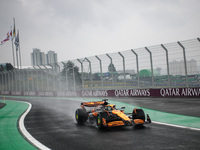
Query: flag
[10, 36]
[7, 37]
[13, 29]
[17, 41]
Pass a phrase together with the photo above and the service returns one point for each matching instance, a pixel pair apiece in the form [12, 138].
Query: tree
[111, 68]
[72, 71]
[96, 77]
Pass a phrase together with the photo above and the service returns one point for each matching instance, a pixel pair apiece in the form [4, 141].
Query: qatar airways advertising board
[163, 92]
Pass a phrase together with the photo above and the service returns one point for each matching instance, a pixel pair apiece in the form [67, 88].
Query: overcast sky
[82, 28]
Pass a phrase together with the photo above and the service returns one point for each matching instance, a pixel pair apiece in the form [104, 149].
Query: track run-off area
[14, 137]
[10, 137]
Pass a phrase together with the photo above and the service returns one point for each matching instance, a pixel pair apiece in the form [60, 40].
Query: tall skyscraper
[51, 57]
[40, 58]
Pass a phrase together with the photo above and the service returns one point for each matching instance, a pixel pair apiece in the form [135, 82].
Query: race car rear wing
[94, 104]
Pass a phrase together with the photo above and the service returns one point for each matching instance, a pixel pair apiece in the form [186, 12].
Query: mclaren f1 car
[105, 115]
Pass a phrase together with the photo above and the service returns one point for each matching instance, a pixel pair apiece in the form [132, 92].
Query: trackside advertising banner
[164, 92]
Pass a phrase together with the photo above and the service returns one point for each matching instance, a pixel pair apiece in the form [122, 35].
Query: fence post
[27, 74]
[74, 77]
[1, 81]
[53, 72]
[9, 78]
[7, 72]
[138, 75]
[24, 77]
[111, 68]
[82, 78]
[198, 75]
[151, 65]
[123, 68]
[36, 77]
[47, 77]
[42, 78]
[90, 71]
[13, 84]
[6, 81]
[59, 76]
[67, 84]
[19, 75]
[32, 87]
[167, 61]
[100, 70]
[185, 63]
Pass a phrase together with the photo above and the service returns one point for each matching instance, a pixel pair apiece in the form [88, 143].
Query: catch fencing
[172, 65]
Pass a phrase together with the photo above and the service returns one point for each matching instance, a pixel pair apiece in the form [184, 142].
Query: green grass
[10, 137]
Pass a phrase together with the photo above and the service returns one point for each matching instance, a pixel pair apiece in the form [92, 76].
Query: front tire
[138, 114]
[99, 121]
[81, 116]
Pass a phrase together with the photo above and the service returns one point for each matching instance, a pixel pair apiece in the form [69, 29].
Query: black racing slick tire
[138, 114]
[81, 116]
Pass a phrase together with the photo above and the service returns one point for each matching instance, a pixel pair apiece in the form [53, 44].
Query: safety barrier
[163, 92]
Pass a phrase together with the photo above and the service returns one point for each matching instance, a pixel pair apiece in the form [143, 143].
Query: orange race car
[106, 115]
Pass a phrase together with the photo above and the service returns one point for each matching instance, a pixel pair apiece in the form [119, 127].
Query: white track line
[178, 126]
[26, 133]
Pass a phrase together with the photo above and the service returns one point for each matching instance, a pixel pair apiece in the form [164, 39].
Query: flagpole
[13, 52]
[19, 53]
[14, 35]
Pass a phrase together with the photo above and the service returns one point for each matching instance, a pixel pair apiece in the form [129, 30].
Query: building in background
[178, 68]
[51, 57]
[40, 58]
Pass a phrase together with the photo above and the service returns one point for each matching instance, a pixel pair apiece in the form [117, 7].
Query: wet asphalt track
[52, 122]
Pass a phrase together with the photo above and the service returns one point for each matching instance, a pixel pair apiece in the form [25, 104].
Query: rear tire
[81, 116]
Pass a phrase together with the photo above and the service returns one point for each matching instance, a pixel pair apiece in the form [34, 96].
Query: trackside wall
[163, 92]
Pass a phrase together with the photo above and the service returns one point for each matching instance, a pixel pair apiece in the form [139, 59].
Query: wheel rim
[76, 115]
[99, 120]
